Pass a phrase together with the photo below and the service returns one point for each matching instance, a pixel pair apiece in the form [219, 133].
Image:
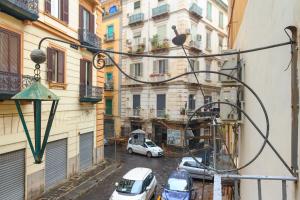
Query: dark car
[179, 186]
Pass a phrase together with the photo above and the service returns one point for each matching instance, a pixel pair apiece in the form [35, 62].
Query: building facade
[162, 109]
[74, 144]
[111, 33]
[267, 73]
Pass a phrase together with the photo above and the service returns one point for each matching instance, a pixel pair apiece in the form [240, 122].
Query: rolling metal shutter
[12, 175]
[86, 150]
[55, 163]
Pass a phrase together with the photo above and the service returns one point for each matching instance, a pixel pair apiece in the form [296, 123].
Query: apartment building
[75, 143]
[111, 33]
[277, 86]
[162, 110]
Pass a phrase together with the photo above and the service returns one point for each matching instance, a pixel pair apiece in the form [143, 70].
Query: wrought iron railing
[109, 37]
[136, 18]
[109, 85]
[22, 9]
[136, 112]
[89, 93]
[160, 10]
[88, 38]
[195, 44]
[158, 45]
[137, 47]
[196, 10]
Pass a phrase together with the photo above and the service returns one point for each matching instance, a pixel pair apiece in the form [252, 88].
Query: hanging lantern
[37, 93]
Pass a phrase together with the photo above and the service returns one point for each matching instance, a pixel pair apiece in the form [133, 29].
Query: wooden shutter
[49, 63]
[131, 70]
[141, 69]
[166, 66]
[61, 67]
[90, 81]
[82, 72]
[48, 6]
[4, 46]
[65, 11]
[197, 65]
[155, 67]
[80, 17]
[92, 23]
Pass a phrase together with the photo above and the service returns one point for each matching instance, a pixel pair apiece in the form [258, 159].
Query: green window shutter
[110, 31]
[108, 106]
[155, 67]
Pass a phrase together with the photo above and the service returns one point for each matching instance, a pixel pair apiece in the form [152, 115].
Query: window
[207, 68]
[192, 102]
[136, 69]
[137, 38]
[161, 105]
[136, 101]
[195, 65]
[209, 11]
[220, 44]
[161, 32]
[113, 9]
[208, 40]
[86, 73]
[10, 52]
[110, 32]
[137, 4]
[221, 21]
[109, 77]
[207, 99]
[108, 106]
[160, 66]
[86, 20]
[58, 9]
[55, 65]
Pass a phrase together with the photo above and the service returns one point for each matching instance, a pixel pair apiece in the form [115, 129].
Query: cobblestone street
[160, 166]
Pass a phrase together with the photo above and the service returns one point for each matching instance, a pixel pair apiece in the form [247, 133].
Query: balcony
[204, 114]
[160, 11]
[159, 46]
[136, 19]
[195, 45]
[137, 48]
[196, 11]
[108, 62]
[109, 38]
[159, 77]
[109, 86]
[88, 38]
[21, 9]
[91, 94]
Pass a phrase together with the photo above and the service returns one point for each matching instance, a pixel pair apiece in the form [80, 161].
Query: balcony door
[136, 101]
[161, 105]
[86, 77]
[86, 20]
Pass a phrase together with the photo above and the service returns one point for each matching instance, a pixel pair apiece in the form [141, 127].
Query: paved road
[160, 166]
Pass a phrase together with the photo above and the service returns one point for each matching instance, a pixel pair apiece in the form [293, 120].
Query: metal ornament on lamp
[37, 93]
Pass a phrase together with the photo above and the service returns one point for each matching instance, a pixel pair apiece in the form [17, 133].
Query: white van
[148, 148]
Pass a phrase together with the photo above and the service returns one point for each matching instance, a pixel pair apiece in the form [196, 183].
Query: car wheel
[130, 150]
[149, 154]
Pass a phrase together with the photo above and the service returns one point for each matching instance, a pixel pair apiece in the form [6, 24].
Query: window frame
[136, 5]
[53, 83]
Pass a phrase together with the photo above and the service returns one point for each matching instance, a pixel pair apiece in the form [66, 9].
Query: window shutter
[155, 67]
[92, 23]
[197, 65]
[48, 6]
[131, 72]
[141, 69]
[65, 11]
[49, 63]
[80, 17]
[90, 74]
[4, 38]
[82, 72]
[61, 67]
[166, 66]
[14, 53]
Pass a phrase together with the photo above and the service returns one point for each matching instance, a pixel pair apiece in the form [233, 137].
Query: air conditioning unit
[227, 112]
[229, 67]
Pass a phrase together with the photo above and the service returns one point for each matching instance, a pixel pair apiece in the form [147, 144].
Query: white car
[149, 148]
[195, 169]
[138, 184]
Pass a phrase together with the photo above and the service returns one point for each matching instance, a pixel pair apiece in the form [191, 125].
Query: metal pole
[37, 131]
[215, 143]
[115, 146]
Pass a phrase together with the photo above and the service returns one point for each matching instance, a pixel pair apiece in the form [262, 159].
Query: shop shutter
[12, 175]
[86, 150]
[55, 163]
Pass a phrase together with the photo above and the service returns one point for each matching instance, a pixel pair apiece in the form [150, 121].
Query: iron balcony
[160, 11]
[21, 9]
[195, 45]
[12, 83]
[109, 38]
[89, 93]
[109, 85]
[196, 11]
[136, 19]
[88, 38]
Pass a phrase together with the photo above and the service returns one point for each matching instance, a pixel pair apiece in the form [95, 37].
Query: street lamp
[37, 93]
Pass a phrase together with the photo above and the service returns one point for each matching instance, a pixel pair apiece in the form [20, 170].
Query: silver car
[195, 169]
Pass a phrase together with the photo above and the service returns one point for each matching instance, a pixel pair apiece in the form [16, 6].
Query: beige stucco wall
[263, 24]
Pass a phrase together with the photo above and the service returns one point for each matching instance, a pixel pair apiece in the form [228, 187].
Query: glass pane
[86, 20]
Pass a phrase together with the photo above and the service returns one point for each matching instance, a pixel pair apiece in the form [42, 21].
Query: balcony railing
[109, 38]
[161, 113]
[88, 38]
[136, 19]
[108, 62]
[159, 77]
[195, 45]
[196, 11]
[137, 48]
[136, 112]
[160, 11]
[21, 9]
[159, 45]
[109, 85]
[12, 83]
[90, 93]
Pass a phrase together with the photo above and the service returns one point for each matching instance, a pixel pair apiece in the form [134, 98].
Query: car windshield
[150, 144]
[130, 186]
[177, 184]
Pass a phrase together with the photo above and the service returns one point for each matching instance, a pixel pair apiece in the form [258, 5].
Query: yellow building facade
[111, 34]
[75, 143]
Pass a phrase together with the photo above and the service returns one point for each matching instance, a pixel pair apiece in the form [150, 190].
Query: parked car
[148, 148]
[137, 184]
[179, 187]
[195, 169]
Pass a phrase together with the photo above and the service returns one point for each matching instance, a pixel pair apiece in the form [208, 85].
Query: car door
[149, 183]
